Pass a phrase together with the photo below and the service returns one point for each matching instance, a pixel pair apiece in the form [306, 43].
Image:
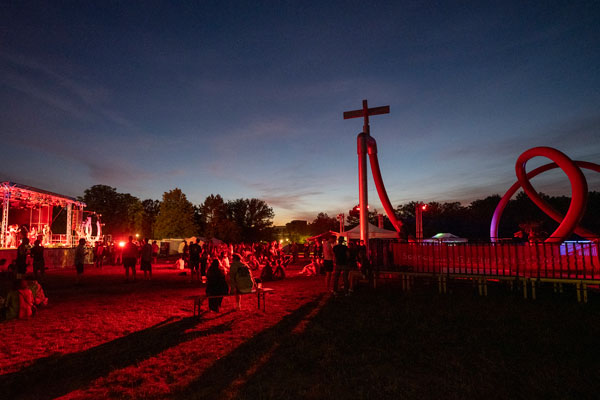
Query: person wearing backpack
[240, 279]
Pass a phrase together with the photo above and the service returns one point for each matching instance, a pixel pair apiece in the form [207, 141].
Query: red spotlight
[121, 244]
[424, 207]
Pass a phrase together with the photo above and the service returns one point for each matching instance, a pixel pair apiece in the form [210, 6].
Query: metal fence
[541, 261]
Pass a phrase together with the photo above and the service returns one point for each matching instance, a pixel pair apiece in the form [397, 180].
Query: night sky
[245, 99]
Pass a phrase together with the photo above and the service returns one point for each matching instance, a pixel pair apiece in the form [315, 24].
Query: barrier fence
[540, 261]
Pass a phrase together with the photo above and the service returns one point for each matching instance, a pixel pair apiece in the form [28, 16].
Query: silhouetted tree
[151, 210]
[176, 216]
[323, 223]
[213, 214]
[253, 217]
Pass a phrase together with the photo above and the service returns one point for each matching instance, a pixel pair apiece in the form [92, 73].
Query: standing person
[146, 259]
[186, 252]
[130, 253]
[21, 260]
[294, 252]
[79, 259]
[307, 247]
[155, 250]
[111, 253]
[365, 264]
[194, 263]
[99, 254]
[341, 265]
[203, 263]
[224, 260]
[240, 279]
[37, 253]
[119, 253]
[328, 260]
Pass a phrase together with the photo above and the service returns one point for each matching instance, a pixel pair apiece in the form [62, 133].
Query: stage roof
[36, 197]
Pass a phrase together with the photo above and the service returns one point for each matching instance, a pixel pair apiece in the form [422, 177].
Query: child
[19, 301]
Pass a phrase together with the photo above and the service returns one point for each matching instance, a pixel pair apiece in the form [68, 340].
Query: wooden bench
[260, 293]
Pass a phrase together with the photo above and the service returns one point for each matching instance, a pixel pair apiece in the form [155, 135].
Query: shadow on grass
[54, 376]
[384, 344]
[215, 382]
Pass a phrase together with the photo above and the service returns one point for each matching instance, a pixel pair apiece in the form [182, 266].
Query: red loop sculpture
[579, 191]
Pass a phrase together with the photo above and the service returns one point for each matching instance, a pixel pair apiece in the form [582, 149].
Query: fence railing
[569, 260]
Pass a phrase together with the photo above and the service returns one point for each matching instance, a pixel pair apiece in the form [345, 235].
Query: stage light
[424, 207]
[121, 244]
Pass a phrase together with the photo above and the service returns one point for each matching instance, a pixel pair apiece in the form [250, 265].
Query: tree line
[251, 220]
[176, 217]
[471, 221]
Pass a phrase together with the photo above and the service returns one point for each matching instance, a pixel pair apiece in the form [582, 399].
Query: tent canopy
[445, 238]
[374, 233]
[322, 236]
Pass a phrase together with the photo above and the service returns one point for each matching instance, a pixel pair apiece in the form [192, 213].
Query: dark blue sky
[245, 99]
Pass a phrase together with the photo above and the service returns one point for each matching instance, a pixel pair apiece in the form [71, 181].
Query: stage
[30, 212]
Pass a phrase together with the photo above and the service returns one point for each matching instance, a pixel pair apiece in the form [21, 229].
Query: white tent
[374, 233]
[445, 238]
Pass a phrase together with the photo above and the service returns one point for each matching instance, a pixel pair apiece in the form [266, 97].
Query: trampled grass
[107, 339]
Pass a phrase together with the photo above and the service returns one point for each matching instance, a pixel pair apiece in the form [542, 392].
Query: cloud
[288, 201]
[85, 102]
[577, 134]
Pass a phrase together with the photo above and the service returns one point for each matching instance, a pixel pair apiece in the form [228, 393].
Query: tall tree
[213, 214]
[151, 210]
[121, 213]
[253, 217]
[176, 216]
[323, 223]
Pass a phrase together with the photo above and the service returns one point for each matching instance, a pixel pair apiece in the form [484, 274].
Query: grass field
[108, 339]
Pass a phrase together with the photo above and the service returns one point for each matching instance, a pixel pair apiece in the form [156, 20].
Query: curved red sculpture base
[579, 190]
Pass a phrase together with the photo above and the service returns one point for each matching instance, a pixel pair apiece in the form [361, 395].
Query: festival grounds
[110, 339]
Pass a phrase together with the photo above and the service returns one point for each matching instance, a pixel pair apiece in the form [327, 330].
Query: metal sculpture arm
[385, 201]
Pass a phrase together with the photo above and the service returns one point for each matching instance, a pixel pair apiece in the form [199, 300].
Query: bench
[260, 293]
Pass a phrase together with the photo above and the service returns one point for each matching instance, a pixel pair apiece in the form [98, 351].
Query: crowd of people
[225, 268]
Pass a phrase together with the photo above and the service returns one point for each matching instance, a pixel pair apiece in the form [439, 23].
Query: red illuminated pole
[419, 208]
[362, 144]
[363, 200]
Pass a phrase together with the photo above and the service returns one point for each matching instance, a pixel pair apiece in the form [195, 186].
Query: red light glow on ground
[140, 336]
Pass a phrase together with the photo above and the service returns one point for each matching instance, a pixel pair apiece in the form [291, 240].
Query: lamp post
[419, 208]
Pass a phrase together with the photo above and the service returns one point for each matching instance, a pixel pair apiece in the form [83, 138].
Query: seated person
[266, 275]
[39, 298]
[180, 264]
[310, 269]
[19, 301]
[216, 285]
[279, 272]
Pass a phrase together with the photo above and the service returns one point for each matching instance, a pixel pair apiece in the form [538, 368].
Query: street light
[419, 208]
